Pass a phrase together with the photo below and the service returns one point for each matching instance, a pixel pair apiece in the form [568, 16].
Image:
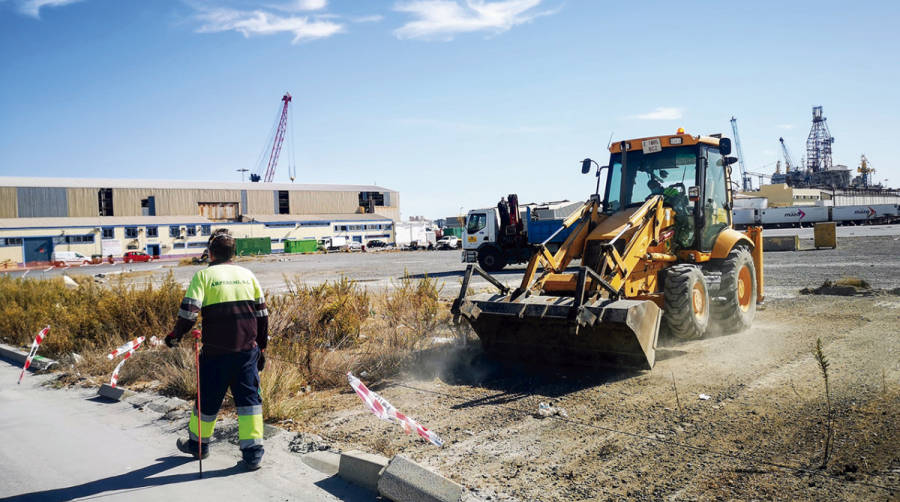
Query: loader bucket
[551, 330]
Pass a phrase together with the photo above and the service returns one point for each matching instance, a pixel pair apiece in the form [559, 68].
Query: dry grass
[317, 333]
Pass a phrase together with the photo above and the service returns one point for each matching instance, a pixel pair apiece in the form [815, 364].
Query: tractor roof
[665, 142]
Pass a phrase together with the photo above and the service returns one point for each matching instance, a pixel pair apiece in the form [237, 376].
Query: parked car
[354, 246]
[377, 243]
[133, 256]
[448, 242]
[63, 258]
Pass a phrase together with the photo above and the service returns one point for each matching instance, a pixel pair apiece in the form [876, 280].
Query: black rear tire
[686, 313]
[734, 305]
[491, 260]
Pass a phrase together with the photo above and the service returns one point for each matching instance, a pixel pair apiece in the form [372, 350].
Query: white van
[63, 258]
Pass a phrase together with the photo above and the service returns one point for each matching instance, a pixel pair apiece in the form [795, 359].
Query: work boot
[252, 457]
[190, 446]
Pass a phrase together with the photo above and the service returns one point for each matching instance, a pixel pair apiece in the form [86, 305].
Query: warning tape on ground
[386, 411]
[128, 347]
[34, 348]
[114, 379]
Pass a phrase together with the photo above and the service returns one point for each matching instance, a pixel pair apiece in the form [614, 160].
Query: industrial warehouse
[173, 219]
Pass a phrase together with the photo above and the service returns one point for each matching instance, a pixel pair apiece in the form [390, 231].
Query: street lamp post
[242, 171]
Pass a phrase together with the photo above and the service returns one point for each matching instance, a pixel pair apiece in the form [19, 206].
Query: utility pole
[242, 171]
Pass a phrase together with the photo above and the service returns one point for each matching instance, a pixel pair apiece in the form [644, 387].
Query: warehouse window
[198, 244]
[152, 231]
[109, 232]
[131, 232]
[10, 241]
[73, 239]
[148, 206]
[192, 230]
[174, 231]
[369, 200]
[284, 205]
[205, 229]
[105, 201]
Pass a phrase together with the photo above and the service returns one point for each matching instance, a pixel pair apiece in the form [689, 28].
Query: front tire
[734, 307]
[686, 313]
[491, 260]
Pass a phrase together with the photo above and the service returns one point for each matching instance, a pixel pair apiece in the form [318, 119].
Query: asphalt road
[69, 445]
[870, 252]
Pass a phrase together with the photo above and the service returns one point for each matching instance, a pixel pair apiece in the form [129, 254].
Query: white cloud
[442, 19]
[33, 7]
[368, 19]
[661, 113]
[259, 22]
[785, 126]
[301, 5]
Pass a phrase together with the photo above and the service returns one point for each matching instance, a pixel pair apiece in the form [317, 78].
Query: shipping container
[744, 216]
[793, 216]
[253, 246]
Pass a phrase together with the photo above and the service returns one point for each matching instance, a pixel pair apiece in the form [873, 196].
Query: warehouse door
[38, 249]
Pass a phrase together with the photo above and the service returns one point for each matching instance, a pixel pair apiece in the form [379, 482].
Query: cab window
[476, 222]
[716, 215]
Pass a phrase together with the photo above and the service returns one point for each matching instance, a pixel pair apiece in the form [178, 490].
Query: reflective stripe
[206, 427]
[247, 443]
[261, 313]
[255, 409]
[191, 301]
[260, 300]
[185, 314]
[250, 427]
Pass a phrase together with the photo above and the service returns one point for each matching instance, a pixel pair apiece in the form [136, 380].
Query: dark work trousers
[237, 371]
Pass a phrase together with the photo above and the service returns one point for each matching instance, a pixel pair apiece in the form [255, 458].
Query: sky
[453, 103]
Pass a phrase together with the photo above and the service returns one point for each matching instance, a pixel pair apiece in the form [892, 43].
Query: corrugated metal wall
[323, 202]
[83, 202]
[8, 202]
[41, 202]
[258, 202]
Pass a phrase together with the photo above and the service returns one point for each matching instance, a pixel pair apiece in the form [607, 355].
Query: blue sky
[452, 102]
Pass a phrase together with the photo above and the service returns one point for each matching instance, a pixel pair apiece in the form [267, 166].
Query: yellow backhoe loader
[656, 253]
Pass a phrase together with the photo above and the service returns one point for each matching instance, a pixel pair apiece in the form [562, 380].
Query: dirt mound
[848, 286]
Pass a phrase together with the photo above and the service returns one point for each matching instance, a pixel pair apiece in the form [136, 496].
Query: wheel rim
[698, 299]
[745, 288]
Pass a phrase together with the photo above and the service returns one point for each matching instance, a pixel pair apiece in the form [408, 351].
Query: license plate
[473, 238]
[651, 145]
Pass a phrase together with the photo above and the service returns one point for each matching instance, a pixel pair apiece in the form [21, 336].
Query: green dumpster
[252, 246]
[301, 246]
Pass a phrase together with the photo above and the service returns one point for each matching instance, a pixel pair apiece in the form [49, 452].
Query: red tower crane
[280, 130]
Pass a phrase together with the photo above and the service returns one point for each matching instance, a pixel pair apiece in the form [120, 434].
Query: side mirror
[586, 166]
[725, 146]
[730, 160]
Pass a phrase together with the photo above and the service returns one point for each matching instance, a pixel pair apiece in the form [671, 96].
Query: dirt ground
[628, 436]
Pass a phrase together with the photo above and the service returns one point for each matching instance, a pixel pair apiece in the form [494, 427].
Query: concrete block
[363, 469]
[16, 356]
[786, 243]
[825, 235]
[406, 481]
[326, 462]
[110, 392]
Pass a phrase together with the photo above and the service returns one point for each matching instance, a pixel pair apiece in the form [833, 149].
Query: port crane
[276, 140]
[788, 161]
[746, 180]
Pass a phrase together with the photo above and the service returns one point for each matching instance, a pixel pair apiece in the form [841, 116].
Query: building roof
[22, 181]
[287, 218]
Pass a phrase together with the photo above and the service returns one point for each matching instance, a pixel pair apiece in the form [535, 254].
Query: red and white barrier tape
[130, 346]
[34, 348]
[114, 379]
[386, 411]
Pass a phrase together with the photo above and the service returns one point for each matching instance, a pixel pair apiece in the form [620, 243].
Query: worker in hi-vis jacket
[234, 335]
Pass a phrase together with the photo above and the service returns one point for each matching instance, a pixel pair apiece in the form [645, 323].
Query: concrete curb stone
[363, 469]
[39, 363]
[406, 481]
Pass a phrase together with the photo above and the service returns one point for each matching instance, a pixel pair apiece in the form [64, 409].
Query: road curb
[114, 393]
[406, 481]
[327, 462]
[363, 469]
[12, 354]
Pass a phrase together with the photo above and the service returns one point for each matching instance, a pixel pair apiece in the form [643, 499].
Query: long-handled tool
[196, 334]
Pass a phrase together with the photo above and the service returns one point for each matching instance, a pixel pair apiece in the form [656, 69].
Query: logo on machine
[869, 212]
[798, 212]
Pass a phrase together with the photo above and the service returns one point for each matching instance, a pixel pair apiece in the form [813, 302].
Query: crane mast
[788, 161]
[276, 143]
[746, 180]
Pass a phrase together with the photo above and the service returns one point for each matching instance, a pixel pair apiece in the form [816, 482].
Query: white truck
[414, 235]
[333, 242]
[65, 258]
